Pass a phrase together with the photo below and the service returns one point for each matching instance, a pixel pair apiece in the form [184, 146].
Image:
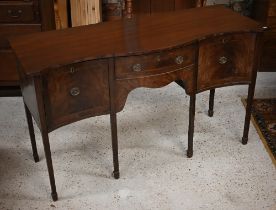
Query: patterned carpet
[264, 114]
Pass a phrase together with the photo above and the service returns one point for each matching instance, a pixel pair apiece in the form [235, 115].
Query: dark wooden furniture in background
[127, 8]
[109, 60]
[19, 17]
[265, 12]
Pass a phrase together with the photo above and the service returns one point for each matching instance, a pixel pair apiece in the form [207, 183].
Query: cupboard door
[162, 5]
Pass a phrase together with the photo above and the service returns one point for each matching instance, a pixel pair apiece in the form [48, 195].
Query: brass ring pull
[137, 67]
[75, 91]
[223, 60]
[15, 13]
[179, 60]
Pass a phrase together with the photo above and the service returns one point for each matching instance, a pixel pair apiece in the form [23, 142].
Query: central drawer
[77, 91]
[154, 63]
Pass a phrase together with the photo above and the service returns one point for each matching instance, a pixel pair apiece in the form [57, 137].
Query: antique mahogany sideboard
[19, 17]
[93, 68]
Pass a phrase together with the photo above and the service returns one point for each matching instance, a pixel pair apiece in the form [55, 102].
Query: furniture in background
[16, 18]
[126, 8]
[109, 60]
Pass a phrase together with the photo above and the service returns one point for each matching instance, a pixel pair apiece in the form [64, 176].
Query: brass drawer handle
[15, 13]
[223, 60]
[72, 70]
[137, 67]
[179, 60]
[75, 91]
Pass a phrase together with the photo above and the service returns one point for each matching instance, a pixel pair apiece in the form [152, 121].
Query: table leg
[31, 132]
[191, 125]
[250, 97]
[211, 103]
[113, 121]
[47, 150]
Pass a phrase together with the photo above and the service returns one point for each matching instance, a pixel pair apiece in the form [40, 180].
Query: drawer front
[225, 60]
[18, 12]
[8, 70]
[11, 30]
[77, 91]
[154, 63]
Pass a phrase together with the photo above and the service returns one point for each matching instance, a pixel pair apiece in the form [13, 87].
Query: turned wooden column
[128, 8]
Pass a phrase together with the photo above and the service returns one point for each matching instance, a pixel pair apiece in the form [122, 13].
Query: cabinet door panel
[141, 6]
[185, 4]
[162, 5]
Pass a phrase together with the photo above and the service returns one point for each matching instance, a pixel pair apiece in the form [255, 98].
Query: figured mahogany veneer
[226, 60]
[88, 71]
[154, 63]
[84, 92]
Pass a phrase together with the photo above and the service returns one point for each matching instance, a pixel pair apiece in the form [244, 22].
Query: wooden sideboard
[94, 67]
[19, 17]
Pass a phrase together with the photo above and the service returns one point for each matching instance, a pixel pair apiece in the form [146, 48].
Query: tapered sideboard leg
[249, 103]
[113, 121]
[211, 103]
[191, 125]
[47, 150]
[32, 134]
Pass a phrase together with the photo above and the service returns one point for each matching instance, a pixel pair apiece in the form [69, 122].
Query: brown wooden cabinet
[118, 8]
[154, 6]
[19, 17]
[265, 11]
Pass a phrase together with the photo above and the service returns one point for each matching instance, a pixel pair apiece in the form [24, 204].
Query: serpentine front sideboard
[81, 72]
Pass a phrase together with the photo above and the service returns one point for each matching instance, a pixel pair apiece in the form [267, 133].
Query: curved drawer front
[18, 12]
[77, 91]
[154, 63]
[225, 60]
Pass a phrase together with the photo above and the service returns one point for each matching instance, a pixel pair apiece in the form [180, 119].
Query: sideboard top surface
[140, 34]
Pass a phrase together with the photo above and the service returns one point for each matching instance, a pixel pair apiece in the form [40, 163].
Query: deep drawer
[226, 60]
[77, 91]
[154, 63]
[18, 12]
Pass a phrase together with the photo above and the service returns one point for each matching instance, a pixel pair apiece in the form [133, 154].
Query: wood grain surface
[140, 34]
